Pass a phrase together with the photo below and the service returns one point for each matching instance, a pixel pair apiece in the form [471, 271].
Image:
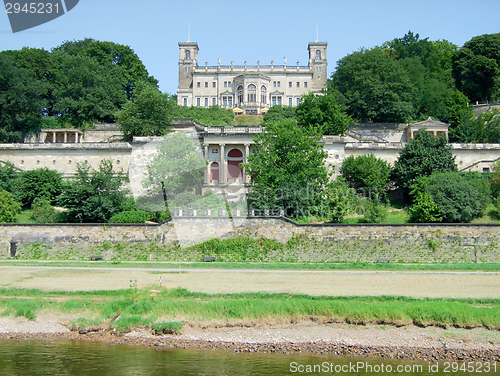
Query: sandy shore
[407, 342]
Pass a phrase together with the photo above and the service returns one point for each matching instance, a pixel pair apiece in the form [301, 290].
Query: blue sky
[254, 30]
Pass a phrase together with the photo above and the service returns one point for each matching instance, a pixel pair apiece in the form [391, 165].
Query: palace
[249, 89]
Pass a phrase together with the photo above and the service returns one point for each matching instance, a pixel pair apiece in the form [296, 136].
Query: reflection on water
[47, 357]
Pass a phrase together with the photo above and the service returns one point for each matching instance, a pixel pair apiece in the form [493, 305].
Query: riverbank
[336, 339]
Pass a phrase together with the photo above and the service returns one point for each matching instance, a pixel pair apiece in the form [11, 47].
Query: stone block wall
[305, 242]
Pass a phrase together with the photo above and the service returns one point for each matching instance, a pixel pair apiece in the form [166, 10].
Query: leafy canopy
[9, 207]
[422, 156]
[288, 169]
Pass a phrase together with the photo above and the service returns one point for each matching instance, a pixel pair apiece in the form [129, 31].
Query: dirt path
[420, 285]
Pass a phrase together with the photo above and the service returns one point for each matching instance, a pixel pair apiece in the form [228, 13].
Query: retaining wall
[304, 242]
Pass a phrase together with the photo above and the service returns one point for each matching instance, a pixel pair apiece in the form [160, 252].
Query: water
[53, 357]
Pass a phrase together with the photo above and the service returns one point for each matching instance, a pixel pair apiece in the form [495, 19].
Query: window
[187, 69]
[230, 101]
[214, 102]
[229, 84]
[198, 101]
[206, 84]
[206, 102]
[298, 101]
[263, 94]
[290, 101]
[279, 83]
[290, 84]
[279, 101]
[198, 84]
[252, 93]
[276, 100]
[213, 84]
[225, 83]
[305, 84]
[185, 101]
[298, 84]
[188, 55]
[318, 69]
[274, 83]
[240, 94]
[318, 55]
[224, 101]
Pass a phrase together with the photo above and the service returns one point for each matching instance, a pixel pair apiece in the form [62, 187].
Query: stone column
[207, 170]
[76, 137]
[65, 137]
[54, 137]
[222, 166]
[246, 178]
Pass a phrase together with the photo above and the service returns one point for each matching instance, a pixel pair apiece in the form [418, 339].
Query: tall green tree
[322, 112]
[476, 68]
[38, 183]
[377, 87]
[147, 114]
[422, 156]
[288, 169]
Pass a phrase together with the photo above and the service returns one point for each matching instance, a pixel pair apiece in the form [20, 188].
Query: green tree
[43, 212]
[86, 91]
[9, 176]
[211, 116]
[322, 112]
[94, 196]
[40, 182]
[288, 170]
[367, 173]
[147, 114]
[9, 207]
[476, 68]
[376, 86]
[422, 156]
[279, 112]
[495, 180]
[177, 167]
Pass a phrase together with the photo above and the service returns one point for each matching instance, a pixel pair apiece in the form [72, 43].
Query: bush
[9, 176]
[424, 210]
[9, 207]
[43, 212]
[458, 199]
[367, 172]
[375, 212]
[40, 182]
[129, 216]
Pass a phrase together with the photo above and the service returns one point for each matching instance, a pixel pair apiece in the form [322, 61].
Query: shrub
[375, 212]
[424, 210]
[9, 207]
[458, 199]
[43, 212]
[9, 176]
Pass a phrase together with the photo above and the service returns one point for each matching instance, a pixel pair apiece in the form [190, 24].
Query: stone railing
[233, 130]
[243, 213]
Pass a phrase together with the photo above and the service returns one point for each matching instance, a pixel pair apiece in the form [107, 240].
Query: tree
[177, 167]
[9, 176]
[86, 91]
[424, 209]
[147, 114]
[367, 173]
[9, 207]
[38, 183]
[279, 112]
[288, 170]
[476, 68]
[376, 86]
[322, 112]
[422, 156]
[483, 129]
[94, 196]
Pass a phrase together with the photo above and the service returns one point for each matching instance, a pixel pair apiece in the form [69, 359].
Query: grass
[486, 267]
[124, 309]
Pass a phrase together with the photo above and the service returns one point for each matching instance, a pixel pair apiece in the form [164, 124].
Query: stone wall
[304, 242]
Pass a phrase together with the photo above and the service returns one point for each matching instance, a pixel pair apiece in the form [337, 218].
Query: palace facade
[249, 89]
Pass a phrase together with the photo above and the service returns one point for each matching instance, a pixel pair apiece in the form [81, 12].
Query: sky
[255, 30]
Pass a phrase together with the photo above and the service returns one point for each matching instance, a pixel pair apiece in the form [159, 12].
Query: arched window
[252, 93]
[234, 159]
[214, 172]
[188, 55]
[240, 94]
[318, 55]
[263, 94]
